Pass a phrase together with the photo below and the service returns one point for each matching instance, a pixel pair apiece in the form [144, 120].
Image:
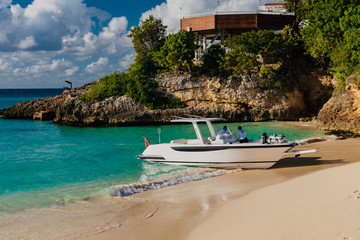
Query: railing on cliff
[240, 12]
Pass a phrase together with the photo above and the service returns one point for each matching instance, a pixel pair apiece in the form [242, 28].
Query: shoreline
[190, 209]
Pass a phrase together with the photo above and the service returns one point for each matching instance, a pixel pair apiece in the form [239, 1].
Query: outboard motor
[276, 139]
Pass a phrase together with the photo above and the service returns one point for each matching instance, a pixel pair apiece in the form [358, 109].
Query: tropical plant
[177, 53]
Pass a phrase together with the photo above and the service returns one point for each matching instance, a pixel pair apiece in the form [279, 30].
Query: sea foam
[166, 181]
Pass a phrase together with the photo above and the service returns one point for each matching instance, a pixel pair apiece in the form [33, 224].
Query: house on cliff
[218, 26]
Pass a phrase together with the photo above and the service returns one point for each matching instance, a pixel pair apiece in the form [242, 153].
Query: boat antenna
[231, 132]
[159, 131]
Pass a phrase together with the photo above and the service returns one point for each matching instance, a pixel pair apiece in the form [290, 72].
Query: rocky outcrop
[342, 111]
[238, 98]
[233, 98]
[317, 89]
[26, 110]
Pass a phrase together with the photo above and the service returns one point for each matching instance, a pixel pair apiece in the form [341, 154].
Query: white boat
[219, 151]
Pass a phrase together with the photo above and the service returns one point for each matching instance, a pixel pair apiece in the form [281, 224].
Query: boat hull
[245, 156]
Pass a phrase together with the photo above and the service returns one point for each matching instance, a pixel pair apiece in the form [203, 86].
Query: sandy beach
[312, 197]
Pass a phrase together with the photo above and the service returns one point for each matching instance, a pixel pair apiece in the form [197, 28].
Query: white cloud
[4, 65]
[125, 61]
[4, 3]
[111, 40]
[98, 65]
[51, 39]
[28, 42]
[71, 71]
[45, 66]
[56, 25]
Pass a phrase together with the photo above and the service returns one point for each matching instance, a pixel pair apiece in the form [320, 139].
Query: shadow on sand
[305, 161]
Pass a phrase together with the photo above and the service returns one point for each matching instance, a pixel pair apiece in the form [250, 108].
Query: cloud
[4, 3]
[127, 60]
[37, 69]
[28, 42]
[97, 66]
[64, 26]
[45, 66]
[4, 65]
[51, 39]
[71, 71]
[173, 10]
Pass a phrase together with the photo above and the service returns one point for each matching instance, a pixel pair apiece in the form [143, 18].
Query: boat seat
[182, 141]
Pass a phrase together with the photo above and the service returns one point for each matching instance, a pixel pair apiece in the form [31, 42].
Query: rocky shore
[233, 98]
[342, 112]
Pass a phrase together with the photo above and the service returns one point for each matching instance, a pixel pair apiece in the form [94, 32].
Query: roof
[272, 4]
[196, 119]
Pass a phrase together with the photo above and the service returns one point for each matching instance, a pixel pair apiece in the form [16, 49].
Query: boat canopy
[195, 120]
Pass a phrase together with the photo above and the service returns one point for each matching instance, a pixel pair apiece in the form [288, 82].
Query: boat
[219, 150]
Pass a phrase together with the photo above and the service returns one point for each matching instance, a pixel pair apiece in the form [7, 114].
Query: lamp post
[69, 83]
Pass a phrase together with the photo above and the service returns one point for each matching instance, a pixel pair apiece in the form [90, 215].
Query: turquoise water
[43, 164]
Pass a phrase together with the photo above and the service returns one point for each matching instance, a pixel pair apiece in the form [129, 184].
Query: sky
[45, 42]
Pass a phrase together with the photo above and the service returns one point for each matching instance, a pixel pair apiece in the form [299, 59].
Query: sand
[321, 205]
[312, 197]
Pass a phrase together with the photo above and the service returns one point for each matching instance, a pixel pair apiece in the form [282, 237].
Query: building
[218, 26]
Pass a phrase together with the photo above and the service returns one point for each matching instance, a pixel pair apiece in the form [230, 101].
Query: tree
[345, 59]
[322, 32]
[295, 7]
[211, 60]
[148, 36]
[246, 49]
[177, 53]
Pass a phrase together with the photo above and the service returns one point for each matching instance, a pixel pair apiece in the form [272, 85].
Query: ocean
[44, 165]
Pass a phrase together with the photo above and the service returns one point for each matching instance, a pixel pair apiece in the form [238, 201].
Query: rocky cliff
[233, 98]
[342, 111]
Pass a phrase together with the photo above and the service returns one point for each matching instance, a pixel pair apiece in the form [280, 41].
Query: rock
[238, 98]
[317, 89]
[342, 112]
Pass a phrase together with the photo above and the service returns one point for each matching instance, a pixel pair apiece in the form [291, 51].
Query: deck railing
[239, 12]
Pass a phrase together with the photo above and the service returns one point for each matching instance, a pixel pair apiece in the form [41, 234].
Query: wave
[130, 189]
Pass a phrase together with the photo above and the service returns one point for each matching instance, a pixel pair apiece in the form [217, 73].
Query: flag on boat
[146, 142]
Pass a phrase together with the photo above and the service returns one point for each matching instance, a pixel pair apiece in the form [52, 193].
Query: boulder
[342, 111]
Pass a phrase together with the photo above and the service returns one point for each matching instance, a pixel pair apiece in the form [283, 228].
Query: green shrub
[109, 85]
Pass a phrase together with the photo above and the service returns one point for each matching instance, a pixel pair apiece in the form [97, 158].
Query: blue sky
[45, 42]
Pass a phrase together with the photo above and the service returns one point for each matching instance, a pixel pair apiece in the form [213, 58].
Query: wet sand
[226, 205]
